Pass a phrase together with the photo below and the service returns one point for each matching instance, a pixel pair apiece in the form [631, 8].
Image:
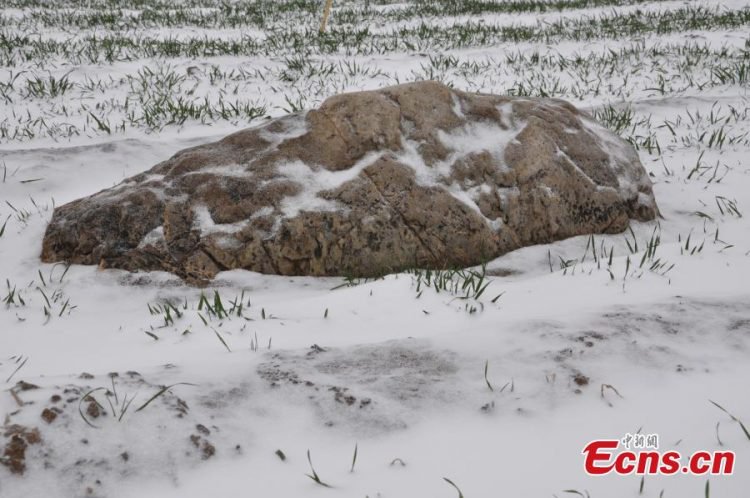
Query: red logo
[602, 457]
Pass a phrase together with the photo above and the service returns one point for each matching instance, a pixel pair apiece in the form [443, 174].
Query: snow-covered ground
[498, 394]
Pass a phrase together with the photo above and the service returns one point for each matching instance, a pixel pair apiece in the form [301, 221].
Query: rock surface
[369, 183]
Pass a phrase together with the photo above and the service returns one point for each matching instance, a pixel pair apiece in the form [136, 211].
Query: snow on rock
[370, 183]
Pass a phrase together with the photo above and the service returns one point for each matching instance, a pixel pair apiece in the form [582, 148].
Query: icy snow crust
[390, 365]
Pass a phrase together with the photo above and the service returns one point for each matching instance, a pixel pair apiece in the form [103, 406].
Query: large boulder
[415, 175]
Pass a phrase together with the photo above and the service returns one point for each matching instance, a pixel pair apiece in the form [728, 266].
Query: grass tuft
[314, 475]
[460, 494]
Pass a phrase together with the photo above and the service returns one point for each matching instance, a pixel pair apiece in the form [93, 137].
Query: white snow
[313, 181]
[154, 237]
[205, 223]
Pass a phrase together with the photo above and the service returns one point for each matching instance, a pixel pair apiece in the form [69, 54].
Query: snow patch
[506, 114]
[153, 238]
[457, 110]
[203, 221]
[294, 128]
[229, 170]
[315, 179]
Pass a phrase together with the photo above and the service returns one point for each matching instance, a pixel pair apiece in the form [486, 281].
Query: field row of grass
[19, 46]
[151, 96]
[263, 13]
[124, 77]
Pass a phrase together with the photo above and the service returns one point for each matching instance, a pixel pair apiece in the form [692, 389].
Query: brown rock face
[369, 183]
[18, 440]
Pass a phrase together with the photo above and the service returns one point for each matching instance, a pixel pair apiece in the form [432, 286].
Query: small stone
[14, 454]
[93, 410]
[25, 386]
[48, 415]
[344, 398]
[315, 349]
[207, 449]
[580, 379]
